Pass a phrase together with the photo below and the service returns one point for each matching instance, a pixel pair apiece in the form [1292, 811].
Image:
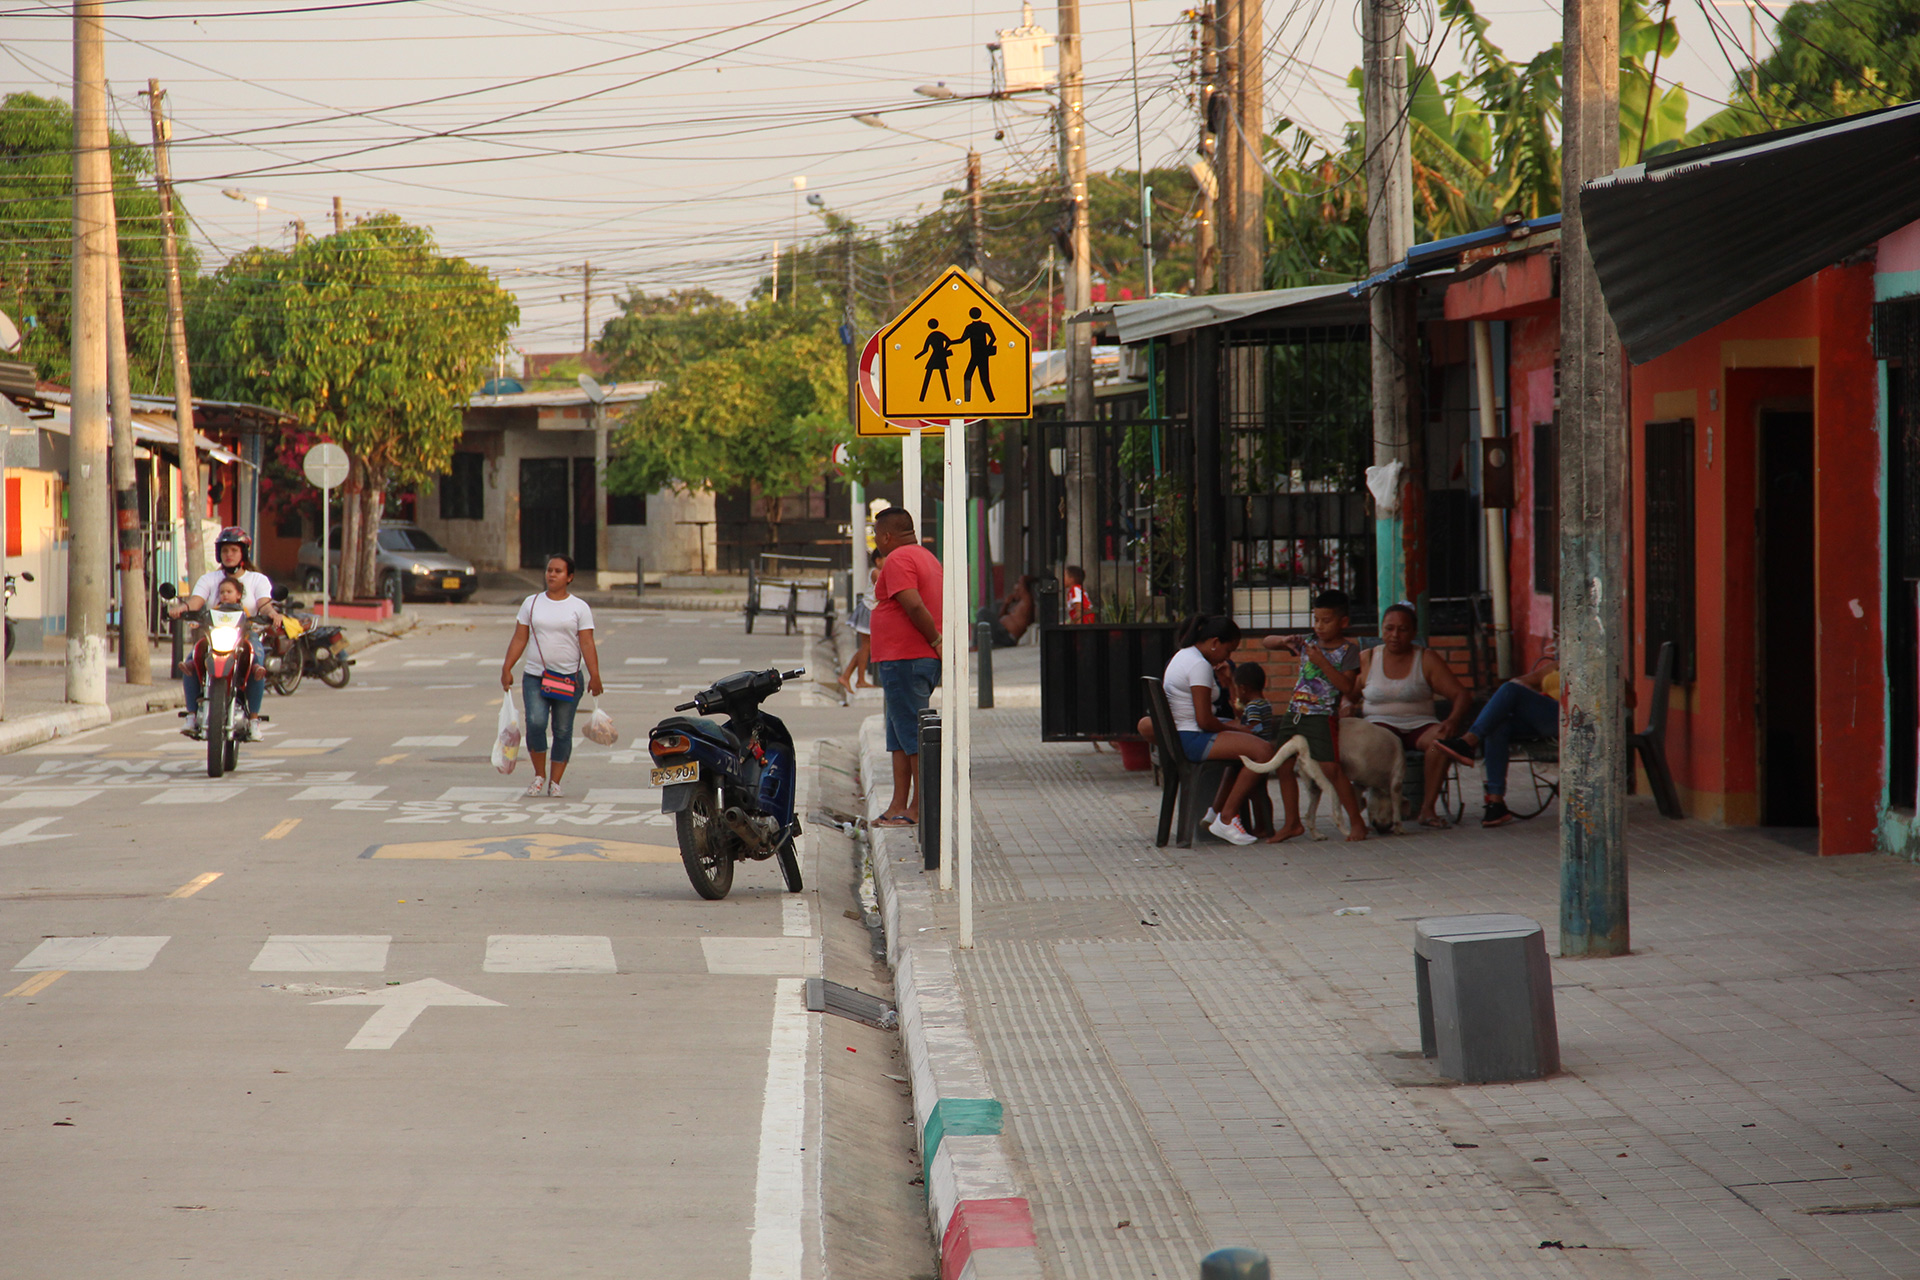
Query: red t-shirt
[907, 568]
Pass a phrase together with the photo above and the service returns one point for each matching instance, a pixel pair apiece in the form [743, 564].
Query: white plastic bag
[506, 740]
[600, 728]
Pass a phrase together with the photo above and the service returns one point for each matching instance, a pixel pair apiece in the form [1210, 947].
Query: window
[463, 490]
[1668, 484]
[626, 508]
[408, 540]
[1546, 507]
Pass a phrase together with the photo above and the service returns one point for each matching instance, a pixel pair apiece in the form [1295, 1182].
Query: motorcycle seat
[701, 727]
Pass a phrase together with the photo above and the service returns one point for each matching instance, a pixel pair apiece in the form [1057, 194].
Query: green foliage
[371, 336]
[1836, 58]
[36, 239]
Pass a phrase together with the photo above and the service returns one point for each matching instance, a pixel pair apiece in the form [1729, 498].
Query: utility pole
[1389, 165]
[339, 215]
[586, 309]
[1593, 535]
[87, 519]
[1242, 69]
[976, 221]
[135, 657]
[1206, 254]
[191, 505]
[1081, 503]
[299, 232]
[856, 492]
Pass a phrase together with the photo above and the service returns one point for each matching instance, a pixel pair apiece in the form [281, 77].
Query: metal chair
[1651, 743]
[1191, 783]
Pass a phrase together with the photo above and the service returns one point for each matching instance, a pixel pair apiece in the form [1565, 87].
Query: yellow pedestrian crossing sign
[956, 353]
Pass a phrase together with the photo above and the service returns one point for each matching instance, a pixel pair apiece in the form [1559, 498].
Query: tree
[1836, 58]
[36, 241]
[373, 338]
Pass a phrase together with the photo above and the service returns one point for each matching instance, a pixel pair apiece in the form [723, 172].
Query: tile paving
[1191, 1043]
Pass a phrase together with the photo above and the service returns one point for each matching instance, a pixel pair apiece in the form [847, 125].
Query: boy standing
[1079, 603]
[1328, 662]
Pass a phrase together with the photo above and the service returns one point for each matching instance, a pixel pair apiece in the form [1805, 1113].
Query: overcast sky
[661, 143]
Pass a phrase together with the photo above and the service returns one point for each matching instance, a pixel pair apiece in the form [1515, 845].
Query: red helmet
[234, 535]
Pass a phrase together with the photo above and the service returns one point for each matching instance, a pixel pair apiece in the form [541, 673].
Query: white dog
[1374, 761]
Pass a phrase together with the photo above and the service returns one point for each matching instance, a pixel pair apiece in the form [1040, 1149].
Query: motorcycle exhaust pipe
[752, 831]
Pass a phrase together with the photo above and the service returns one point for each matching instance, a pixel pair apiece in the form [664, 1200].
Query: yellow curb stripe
[281, 828]
[37, 983]
[196, 884]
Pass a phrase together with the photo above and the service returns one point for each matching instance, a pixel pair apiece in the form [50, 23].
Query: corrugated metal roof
[1155, 317]
[1695, 237]
[1444, 255]
[617, 393]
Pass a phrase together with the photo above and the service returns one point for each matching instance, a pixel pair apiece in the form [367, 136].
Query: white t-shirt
[255, 586]
[1189, 670]
[556, 626]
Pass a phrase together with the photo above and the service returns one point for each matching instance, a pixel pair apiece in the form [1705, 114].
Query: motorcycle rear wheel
[287, 679]
[336, 676]
[219, 708]
[703, 847]
[789, 860]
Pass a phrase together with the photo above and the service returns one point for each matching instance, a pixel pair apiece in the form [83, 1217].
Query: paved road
[360, 1010]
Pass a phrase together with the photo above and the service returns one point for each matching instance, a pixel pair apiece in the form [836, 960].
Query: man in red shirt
[905, 648]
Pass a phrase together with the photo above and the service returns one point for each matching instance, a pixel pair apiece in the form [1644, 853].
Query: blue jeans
[542, 707]
[256, 687]
[1512, 705]
[906, 686]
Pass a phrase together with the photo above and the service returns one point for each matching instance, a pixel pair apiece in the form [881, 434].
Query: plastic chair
[1651, 743]
[1181, 778]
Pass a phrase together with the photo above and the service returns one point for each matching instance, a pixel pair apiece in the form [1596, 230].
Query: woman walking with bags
[560, 627]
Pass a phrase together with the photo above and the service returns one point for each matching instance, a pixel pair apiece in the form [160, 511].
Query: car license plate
[673, 773]
[450, 584]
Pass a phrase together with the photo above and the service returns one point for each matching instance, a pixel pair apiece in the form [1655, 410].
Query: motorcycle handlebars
[687, 706]
[708, 698]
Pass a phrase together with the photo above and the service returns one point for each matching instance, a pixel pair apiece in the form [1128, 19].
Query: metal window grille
[463, 488]
[1668, 485]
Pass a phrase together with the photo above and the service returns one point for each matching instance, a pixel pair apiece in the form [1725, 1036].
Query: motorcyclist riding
[233, 548]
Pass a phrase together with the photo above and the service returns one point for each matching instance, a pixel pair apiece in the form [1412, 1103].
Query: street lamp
[259, 204]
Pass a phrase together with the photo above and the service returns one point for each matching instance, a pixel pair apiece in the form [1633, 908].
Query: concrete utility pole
[976, 221]
[586, 309]
[1593, 563]
[1389, 164]
[87, 519]
[1242, 68]
[191, 505]
[1081, 505]
[856, 492]
[1206, 254]
[339, 216]
[135, 655]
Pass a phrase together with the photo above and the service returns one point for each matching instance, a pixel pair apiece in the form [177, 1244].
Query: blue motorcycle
[729, 787]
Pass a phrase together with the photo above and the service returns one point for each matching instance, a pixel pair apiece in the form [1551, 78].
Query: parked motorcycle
[729, 787]
[298, 645]
[223, 661]
[24, 576]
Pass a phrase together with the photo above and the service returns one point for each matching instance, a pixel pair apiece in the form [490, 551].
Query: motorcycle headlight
[224, 639]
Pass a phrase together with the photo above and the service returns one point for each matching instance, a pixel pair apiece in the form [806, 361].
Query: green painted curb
[958, 1116]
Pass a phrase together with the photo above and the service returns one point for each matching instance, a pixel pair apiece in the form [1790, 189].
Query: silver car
[410, 566]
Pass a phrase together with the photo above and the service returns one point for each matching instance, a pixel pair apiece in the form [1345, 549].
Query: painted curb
[31, 731]
[983, 1222]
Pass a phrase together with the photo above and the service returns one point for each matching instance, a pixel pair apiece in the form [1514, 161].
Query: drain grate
[832, 997]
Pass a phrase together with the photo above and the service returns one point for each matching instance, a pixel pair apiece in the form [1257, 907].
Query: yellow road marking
[281, 829]
[463, 719]
[392, 759]
[37, 983]
[200, 882]
[541, 847]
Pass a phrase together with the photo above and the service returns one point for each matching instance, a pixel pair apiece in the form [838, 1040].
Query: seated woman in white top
[1398, 682]
[1191, 686]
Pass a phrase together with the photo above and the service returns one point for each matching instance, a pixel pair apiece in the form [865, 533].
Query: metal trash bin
[927, 785]
[1486, 997]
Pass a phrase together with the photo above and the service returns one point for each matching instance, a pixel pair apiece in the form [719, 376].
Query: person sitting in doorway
[1398, 682]
[1016, 615]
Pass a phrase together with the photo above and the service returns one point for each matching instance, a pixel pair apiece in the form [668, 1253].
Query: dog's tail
[1294, 747]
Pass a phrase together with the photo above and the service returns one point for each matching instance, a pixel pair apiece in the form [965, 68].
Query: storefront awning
[1695, 237]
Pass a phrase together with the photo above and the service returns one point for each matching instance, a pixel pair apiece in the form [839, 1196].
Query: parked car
[410, 565]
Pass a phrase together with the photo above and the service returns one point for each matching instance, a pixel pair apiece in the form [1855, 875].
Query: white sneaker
[1232, 832]
[553, 790]
[1211, 816]
[538, 787]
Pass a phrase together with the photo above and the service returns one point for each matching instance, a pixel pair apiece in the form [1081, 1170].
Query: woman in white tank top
[1404, 703]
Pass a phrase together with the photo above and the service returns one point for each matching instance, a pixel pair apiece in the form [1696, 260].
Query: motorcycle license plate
[450, 584]
[673, 773]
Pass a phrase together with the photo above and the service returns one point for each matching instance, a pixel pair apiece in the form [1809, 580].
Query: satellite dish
[9, 334]
[595, 392]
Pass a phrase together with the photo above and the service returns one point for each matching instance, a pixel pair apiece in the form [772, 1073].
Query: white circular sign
[326, 465]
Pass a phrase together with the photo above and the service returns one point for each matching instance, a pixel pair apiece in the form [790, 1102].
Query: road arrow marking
[22, 832]
[400, 1005]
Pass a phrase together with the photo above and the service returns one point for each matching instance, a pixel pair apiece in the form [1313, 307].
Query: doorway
[586, 546]
[545, 505]
[1787, 712]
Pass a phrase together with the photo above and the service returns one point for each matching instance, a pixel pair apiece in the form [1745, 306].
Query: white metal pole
[1496, 522]
[953, 650]
[326, 565]
[959, 707]
[910, 482]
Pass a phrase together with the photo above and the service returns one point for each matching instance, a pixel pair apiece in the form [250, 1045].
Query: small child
[863, 634]
[1079, 603]
[1328, 662]
[1252, 711]
[230, 594]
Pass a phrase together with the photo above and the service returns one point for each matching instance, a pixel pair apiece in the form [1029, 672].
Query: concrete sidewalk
[1178, 1050]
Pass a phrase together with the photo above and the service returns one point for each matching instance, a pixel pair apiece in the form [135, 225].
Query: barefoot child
[1327, 665]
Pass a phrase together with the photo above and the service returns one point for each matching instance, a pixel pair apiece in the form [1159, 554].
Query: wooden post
[1389, 236]
[135, 654]
[87, 544]
[1082, 545]
[192, 555]
[1593, 567]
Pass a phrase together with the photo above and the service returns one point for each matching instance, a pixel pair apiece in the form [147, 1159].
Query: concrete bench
[1486, 997]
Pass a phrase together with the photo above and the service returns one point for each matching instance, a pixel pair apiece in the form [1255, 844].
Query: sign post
[326, 469]
[921, 376]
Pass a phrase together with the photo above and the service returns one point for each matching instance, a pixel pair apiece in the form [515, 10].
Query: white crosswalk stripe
[549, 953]
[323, 953]
[93, 954]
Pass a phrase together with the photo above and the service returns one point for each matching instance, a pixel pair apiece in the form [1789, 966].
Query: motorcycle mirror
[25, 576]
[165, 590]
[279, 594]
